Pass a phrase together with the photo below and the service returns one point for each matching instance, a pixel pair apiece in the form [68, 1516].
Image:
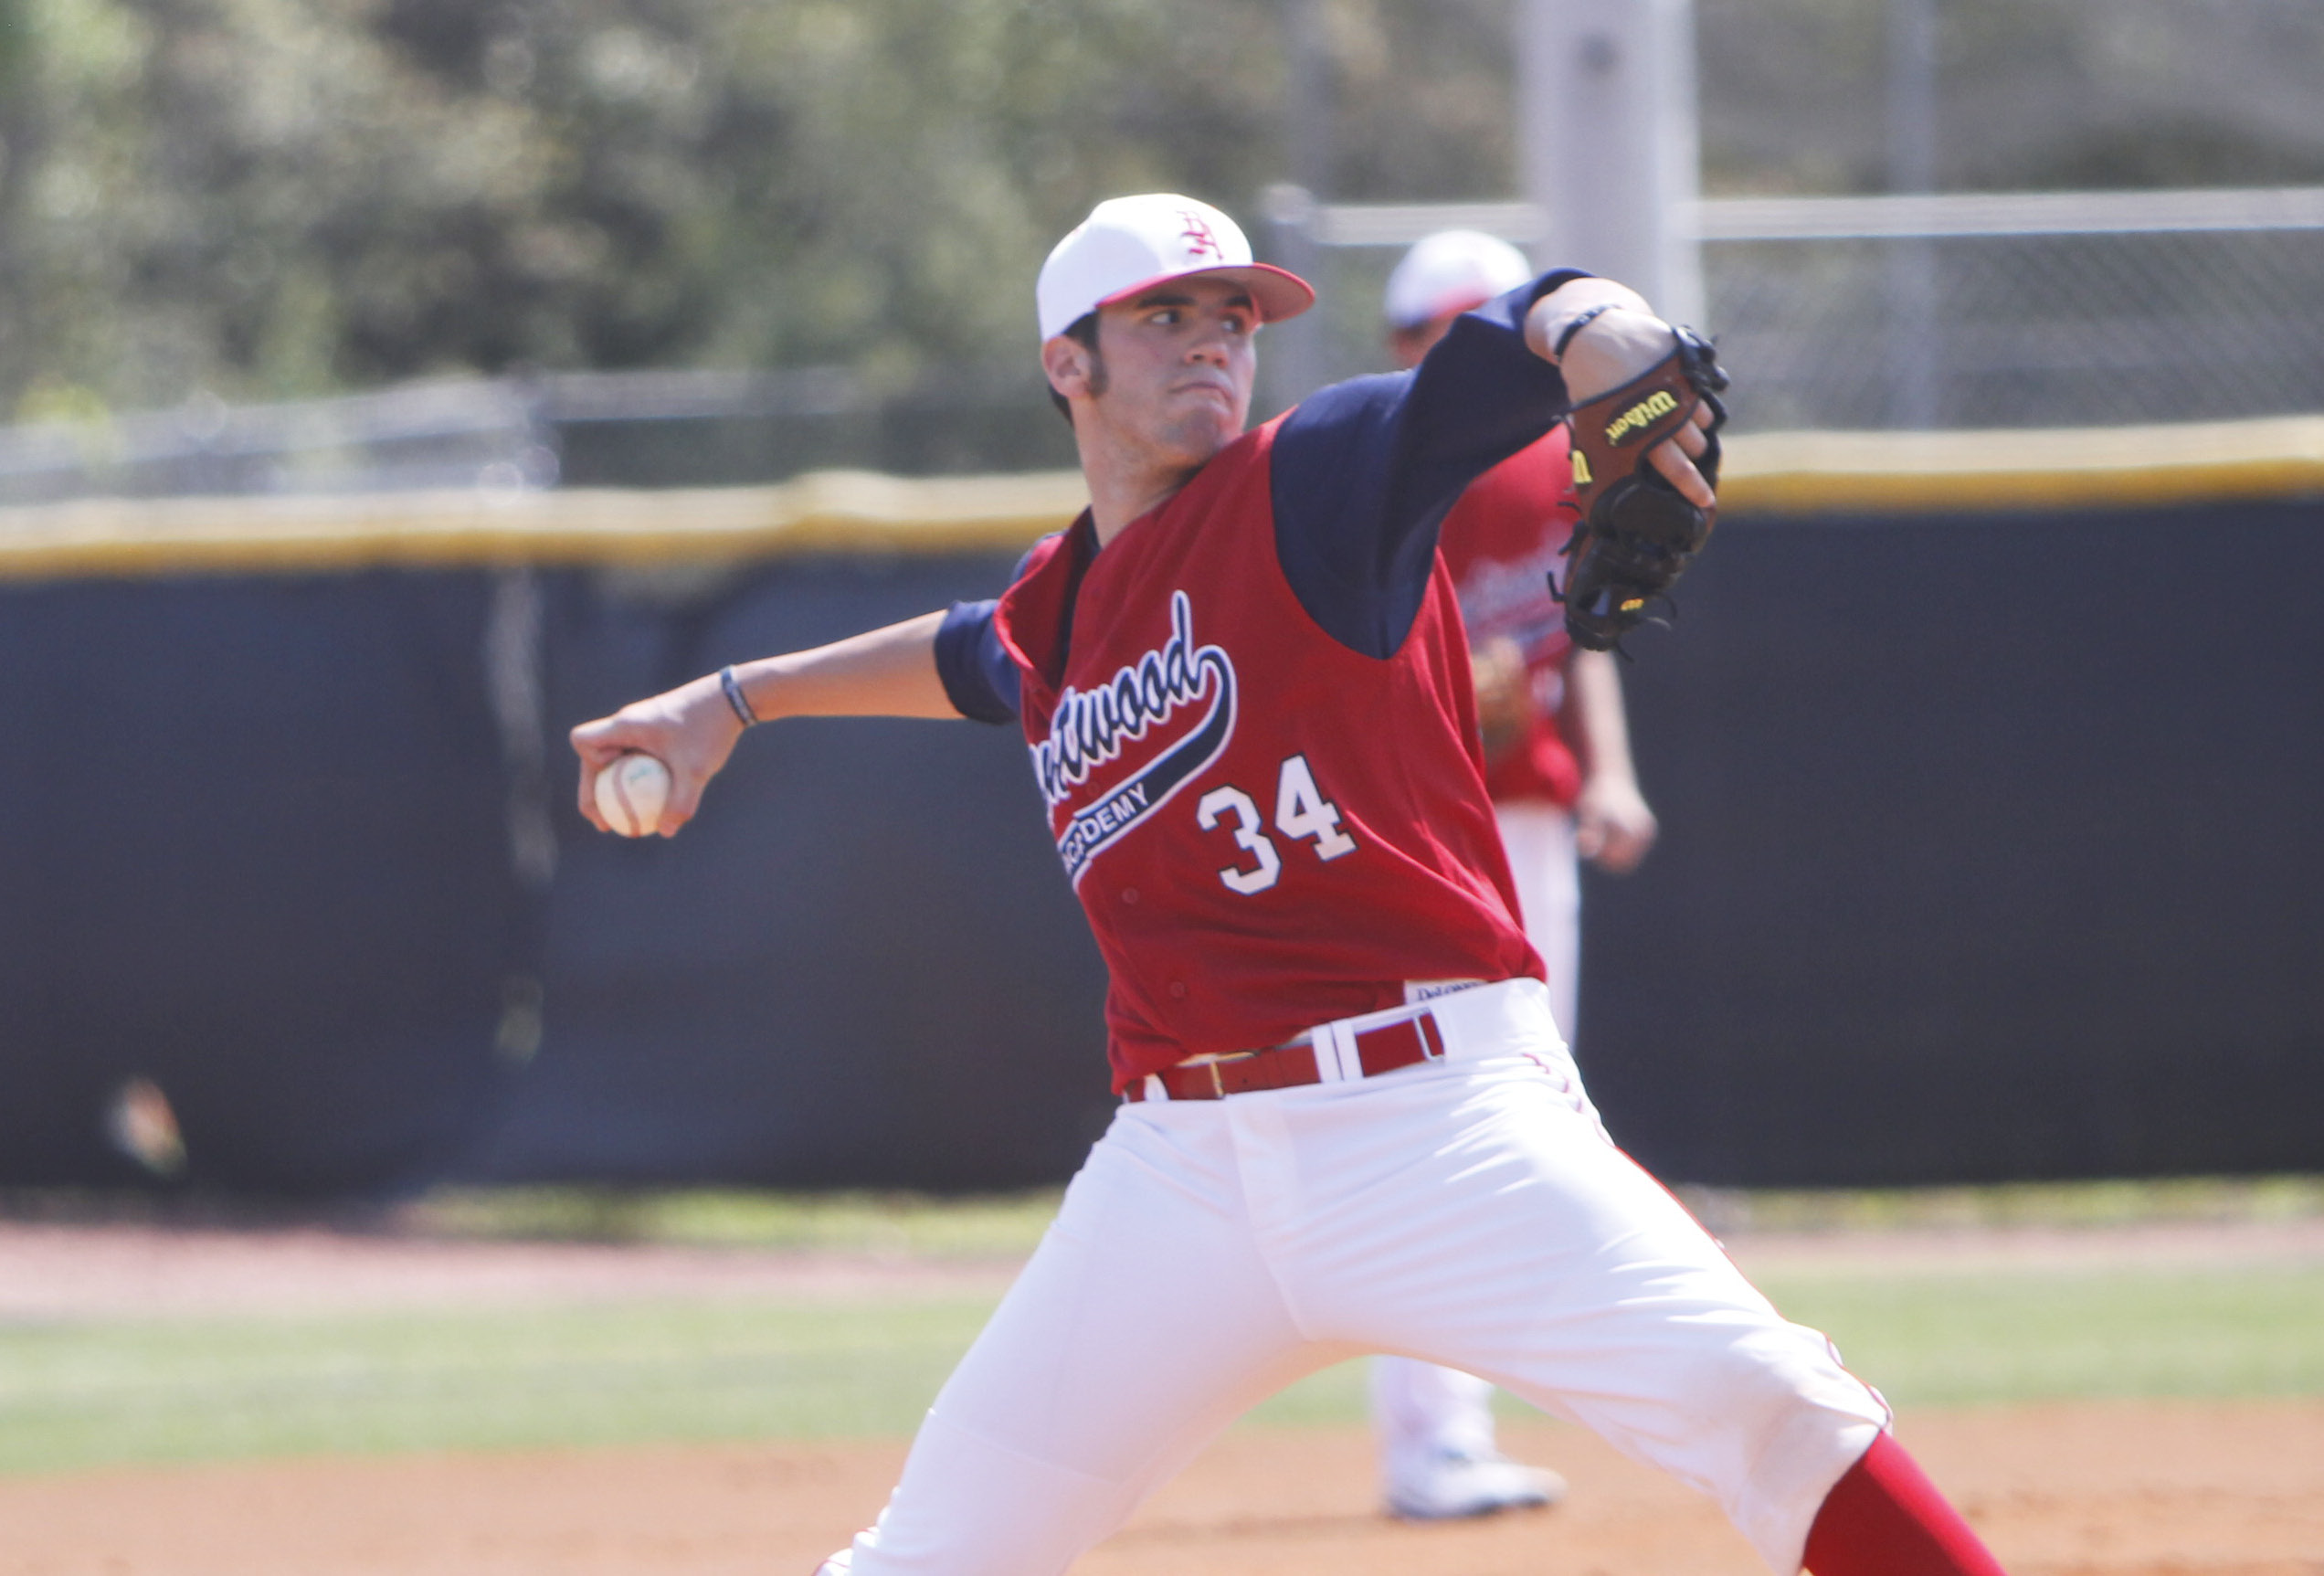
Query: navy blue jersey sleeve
[978, 677]
[1365, 471]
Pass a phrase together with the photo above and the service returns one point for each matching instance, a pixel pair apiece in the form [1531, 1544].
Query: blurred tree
[266, 197]
[235, 193]
[2032, 94]
[1426, 101]
[270, 198]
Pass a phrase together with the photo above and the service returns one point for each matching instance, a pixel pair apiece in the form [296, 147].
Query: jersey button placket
[1177, 990]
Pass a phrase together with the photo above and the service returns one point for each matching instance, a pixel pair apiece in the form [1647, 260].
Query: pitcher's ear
[1067, 362]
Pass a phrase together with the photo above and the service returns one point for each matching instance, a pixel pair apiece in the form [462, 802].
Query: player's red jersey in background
[1501, 542]
[1267, 829]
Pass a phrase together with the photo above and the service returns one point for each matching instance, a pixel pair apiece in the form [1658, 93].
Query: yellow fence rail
[1788, 474]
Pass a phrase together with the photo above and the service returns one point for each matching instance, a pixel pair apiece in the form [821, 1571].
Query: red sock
[1884, 1518]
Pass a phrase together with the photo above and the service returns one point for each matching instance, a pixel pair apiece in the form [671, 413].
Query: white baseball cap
[1129, 243]
[1452, 272]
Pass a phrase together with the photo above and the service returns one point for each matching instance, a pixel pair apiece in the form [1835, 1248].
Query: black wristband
[735, 696]
[1575, 327]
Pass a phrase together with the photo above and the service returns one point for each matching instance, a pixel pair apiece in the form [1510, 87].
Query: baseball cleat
[1453, 1486]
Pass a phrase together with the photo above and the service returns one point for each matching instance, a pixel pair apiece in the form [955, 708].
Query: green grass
[90, 1392]
[83, 1394]
[921, 1226]
[1932, 1339]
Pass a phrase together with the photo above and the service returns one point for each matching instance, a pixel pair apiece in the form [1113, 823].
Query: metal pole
[1292, 355]
[1609, 146]
[1916, 397]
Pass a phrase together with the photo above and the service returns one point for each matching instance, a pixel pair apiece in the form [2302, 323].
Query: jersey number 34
[1301, 811]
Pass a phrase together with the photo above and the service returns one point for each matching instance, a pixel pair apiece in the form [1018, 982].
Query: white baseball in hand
[630, 793]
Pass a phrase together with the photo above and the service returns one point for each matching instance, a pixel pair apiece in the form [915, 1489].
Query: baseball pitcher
[1348, 1123]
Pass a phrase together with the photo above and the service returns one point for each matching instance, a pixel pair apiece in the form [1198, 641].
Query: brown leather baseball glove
[1637, 533]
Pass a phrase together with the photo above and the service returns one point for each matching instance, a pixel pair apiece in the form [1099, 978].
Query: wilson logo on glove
[1638, 533]
[1641, 415]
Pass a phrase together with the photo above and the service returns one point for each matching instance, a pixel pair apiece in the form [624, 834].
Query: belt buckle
[1416, 1036]
[1431, 1033]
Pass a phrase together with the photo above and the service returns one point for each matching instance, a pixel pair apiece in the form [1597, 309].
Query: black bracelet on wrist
[1575, 327]
[735, 696]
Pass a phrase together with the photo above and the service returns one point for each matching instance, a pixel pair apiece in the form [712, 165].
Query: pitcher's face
[1178, 366]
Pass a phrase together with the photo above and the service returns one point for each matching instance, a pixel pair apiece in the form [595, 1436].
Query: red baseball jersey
[1252, 716]
[1267, 829]
[1501, 542]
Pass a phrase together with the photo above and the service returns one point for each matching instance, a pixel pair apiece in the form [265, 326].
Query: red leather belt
[1381, 1049]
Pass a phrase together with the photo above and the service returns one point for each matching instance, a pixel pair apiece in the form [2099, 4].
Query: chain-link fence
[462, 433]
[2016, 310]
[2069, 312]
[672, 428]
[2020, 331]
[1952, 311]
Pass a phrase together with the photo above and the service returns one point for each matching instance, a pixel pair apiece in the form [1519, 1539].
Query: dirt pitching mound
[2131, 1489]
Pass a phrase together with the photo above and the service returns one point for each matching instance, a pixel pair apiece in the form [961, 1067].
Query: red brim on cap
[1278, 292]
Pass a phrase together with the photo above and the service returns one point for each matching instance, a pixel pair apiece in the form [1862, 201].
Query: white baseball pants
[1421, 1412]
[1469, 1212]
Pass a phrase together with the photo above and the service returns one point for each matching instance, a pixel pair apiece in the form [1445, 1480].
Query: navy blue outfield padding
[1960, 879]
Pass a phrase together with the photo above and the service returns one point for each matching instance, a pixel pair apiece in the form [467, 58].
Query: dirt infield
[67, 1271]
[2088, 1490]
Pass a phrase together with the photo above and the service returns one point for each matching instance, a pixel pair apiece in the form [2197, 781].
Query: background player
[1558, 763]
[1349, 1123]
